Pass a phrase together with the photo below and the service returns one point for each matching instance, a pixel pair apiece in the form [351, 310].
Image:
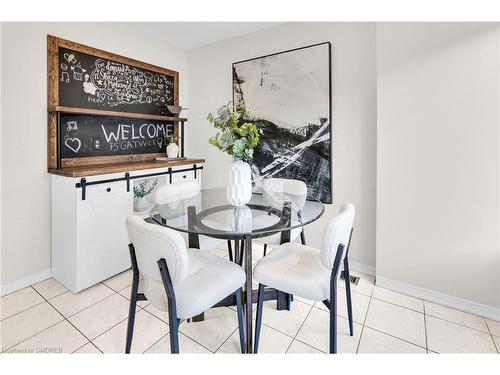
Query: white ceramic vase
[141, 204]
[239, 183]
[172, 150]
[242, 219]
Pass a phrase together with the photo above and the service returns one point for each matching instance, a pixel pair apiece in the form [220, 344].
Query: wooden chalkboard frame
[53, 107]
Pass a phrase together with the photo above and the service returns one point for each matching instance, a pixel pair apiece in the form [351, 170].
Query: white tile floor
[47, 318]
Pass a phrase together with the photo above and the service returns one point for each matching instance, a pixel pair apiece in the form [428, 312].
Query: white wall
[438, 162]
[25, 181]
[354, 113]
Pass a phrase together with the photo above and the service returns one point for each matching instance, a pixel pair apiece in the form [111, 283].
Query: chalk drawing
[70, 57]
[72, 125]
[64, 73]
[73, 144]
[78, 72]
[88, 86]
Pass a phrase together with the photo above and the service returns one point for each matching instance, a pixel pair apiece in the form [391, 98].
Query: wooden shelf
[98, 169]
[102, 112]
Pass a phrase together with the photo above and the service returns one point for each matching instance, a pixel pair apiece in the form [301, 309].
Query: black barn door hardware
[83, 182]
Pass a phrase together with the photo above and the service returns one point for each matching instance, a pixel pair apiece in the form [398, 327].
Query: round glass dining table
[209, 213]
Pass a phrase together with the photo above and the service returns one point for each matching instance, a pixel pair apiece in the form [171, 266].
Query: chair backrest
[295, 190]
[284, 185]
[153, 242]
[337, 232]
[172, 193]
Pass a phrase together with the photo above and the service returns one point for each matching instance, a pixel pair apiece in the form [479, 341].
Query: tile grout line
[26, 309]
[364, 322]
[57, 295]
[312, 346]
[491, 335]
[26, 339]
[396, 304]
[305, 343]
[396, 337]
[85, 308]
[153, 344]
[91, 343]
[43, 330]
[189, 337]
[203, 346]
[221, 345]
[425, 331]
[433, 316]
[182, 333]
[67, 320]
[121, 321]
[301, 325]
[338, 315]
[458, 324]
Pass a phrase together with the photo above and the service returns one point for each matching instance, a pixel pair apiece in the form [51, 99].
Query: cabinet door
[102, 241]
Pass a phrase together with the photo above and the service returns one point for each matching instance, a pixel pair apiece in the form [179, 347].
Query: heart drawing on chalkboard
[73, 144]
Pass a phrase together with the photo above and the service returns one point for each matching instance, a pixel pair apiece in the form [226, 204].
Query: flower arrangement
[237, 135]
[141, 190]
[171, 139]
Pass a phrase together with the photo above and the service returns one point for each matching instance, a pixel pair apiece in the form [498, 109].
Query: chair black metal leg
[174, 333]
[348, 295]
[265, 250]
[133, 299]
[333, 299]
[258, 321]
[173, 321]
[248, 294]
[333, 319]
[131, 317]
[241, 323]
[230, 250]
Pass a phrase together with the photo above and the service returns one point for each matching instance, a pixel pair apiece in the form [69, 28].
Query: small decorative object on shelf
[141, 192]
[174, 110]
[172, 148]
[237, 136]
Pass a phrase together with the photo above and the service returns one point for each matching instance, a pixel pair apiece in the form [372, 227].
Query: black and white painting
[288, 96]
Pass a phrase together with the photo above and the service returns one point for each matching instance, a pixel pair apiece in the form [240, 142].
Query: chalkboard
[87, 81]
[89, 135]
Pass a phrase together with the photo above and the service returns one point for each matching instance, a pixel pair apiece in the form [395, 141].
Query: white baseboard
[362, 268]
[24, 282]
[441, 298]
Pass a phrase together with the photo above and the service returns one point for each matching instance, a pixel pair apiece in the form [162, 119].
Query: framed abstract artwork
[288, 96]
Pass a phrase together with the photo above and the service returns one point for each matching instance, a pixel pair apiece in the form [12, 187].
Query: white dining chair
[170, 195]
[310, 273]
[183, 282]
[280, 186]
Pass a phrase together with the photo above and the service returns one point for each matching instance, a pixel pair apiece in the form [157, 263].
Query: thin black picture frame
[330, 96]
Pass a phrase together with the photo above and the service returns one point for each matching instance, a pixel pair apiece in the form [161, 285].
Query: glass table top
[208, 212]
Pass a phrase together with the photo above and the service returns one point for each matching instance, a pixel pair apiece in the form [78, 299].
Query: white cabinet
[89, 237]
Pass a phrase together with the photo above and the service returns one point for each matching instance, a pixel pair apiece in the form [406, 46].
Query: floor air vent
[353, 279]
